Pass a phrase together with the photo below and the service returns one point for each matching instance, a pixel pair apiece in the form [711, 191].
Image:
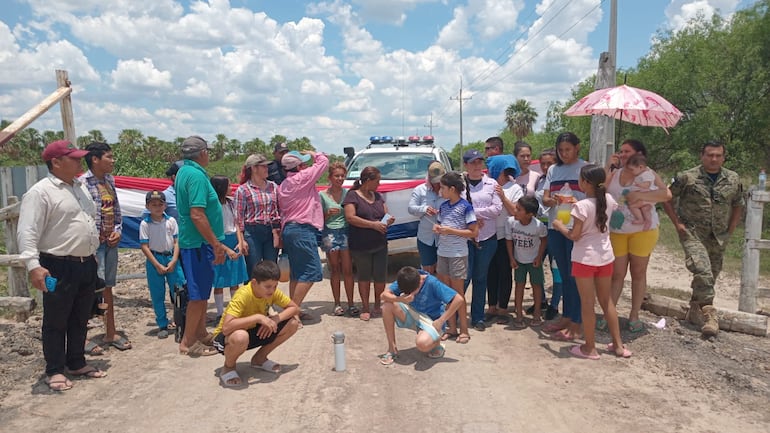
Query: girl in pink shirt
[592, 260]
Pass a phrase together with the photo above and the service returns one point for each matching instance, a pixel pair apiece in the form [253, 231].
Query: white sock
[219, 301]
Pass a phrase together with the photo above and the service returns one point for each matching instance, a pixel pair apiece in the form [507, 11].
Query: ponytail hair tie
[600, 185]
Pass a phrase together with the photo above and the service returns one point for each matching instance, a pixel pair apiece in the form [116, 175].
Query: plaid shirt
[254, 205]
[92, 183]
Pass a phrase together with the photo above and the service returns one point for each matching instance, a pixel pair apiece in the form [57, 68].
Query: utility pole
[461, 99]
[603, 127]
[430, 124]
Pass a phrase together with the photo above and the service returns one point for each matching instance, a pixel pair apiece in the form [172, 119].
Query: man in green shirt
[201, 230]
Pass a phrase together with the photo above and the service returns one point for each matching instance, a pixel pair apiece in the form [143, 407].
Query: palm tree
[130, 137]
[519, 118]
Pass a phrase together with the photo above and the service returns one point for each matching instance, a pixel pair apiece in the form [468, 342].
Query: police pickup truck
[403, 164]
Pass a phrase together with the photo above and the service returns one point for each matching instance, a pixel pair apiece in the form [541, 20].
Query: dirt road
[504, 380]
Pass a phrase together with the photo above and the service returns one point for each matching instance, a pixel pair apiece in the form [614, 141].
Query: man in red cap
[57, 238]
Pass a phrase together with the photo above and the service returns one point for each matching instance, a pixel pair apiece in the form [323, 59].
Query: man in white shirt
[57, 238]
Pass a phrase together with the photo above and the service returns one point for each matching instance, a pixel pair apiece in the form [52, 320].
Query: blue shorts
[107, 263]
[428, 253]
[334, 240]
[300, 243]
[416, 321]
[198, 267]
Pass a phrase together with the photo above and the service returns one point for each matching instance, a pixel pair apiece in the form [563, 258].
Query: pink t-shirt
[594, 247]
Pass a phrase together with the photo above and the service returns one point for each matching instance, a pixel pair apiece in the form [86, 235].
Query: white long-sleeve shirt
[57, 219]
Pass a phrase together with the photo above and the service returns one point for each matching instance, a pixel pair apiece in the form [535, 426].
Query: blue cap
[292, 159]
[472, 154]
[498, 163]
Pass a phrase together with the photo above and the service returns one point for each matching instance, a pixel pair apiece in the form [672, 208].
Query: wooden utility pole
[603, 127]
[461, 99]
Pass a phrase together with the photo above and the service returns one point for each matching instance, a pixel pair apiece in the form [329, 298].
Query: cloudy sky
[335, 71]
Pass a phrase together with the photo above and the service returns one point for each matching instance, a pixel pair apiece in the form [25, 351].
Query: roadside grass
[733, 259]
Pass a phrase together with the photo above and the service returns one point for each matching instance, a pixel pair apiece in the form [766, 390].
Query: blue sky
[335, 71]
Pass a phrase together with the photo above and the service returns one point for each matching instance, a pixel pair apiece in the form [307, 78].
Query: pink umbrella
[631, 104]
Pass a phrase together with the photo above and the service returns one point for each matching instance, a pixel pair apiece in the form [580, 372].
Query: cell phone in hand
[386, 218]
[50, 283]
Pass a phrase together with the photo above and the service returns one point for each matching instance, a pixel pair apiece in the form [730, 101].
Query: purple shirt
[298, 200]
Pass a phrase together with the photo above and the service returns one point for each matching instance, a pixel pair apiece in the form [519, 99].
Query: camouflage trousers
[703, 255]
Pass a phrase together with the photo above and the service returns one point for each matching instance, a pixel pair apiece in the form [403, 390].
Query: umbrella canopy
[631, 104]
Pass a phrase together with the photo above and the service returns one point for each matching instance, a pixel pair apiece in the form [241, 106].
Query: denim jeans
[478, 269]
[259, 237]
[560, 249]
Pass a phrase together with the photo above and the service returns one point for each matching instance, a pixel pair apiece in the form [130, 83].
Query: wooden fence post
[67, 118]
[747, 300]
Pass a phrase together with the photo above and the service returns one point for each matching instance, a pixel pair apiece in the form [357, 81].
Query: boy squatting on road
[247, 323]
[416, 301]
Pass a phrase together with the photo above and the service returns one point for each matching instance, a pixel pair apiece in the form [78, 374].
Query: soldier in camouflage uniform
[706, 207]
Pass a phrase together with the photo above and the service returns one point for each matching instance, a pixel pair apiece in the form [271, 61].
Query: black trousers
[66, 311]
[500, 280]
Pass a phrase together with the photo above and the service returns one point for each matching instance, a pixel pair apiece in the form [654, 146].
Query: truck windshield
[393, 166]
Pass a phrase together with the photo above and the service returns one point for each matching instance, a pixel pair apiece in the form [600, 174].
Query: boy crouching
[417, 301]
[247, 323]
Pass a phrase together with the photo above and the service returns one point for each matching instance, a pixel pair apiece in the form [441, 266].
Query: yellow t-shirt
[245, 304]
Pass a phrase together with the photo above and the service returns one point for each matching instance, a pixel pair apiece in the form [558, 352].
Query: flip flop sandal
[463, 339]
[199, 349]
[577, 352]
[449, 336]
[353, 311]
[635, 326]
[552, 327]
[365, 316]
[90, 372]
[339, 311]
[121, 343]
[269, 366]
[437, 352]
[388, 358]
[626, 353]
[601, 325]
[519, 323]
[225, 378]
[536, 323]
[562, 336]
[58, 385]
[93, 349]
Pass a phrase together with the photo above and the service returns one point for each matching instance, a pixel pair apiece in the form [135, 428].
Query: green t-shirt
[193, 189]
[327, 202]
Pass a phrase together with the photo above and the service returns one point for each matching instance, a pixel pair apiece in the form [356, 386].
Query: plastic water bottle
[564, 207]
[762, 179]
[339, 350]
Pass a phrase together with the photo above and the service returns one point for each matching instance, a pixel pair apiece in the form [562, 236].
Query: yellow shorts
[639, 244]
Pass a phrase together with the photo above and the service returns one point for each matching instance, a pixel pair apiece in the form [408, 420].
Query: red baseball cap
[60, 148]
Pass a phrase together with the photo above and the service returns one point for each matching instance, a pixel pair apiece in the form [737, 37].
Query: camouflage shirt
[704, 205]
